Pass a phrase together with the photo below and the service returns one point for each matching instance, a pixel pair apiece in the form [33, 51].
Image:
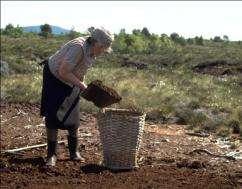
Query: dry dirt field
[168, 158]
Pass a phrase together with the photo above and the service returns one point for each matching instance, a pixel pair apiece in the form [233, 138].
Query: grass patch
[167, 88]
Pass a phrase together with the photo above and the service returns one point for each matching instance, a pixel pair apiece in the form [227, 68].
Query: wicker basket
[121, 134]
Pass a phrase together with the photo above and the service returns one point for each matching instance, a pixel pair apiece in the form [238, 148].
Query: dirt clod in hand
[101, 95]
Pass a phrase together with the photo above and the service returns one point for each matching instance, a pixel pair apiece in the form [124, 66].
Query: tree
[178, 39]
[154, 44]
[166, 41]
[190, 41]
[145, 32]
[217, 39]
[73, 34]
[129, 40]
[122, 31]
[9, 29]
[119, 44]
[199, 40]
[226, 38]
[182, 41]
[136, 32]
[12, 31]
[174, 36]
[46, 30]
[163, 35]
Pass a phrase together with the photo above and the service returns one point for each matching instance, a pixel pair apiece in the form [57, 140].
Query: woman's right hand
[82, 86]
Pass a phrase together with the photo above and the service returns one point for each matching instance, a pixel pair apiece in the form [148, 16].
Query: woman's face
[98, 49]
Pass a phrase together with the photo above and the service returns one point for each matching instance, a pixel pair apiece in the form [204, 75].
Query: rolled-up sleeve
[73, 55]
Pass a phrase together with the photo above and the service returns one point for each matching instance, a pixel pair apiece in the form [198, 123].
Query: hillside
[56, 30]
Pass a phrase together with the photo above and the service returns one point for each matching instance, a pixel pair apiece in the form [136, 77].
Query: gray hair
[103, 36]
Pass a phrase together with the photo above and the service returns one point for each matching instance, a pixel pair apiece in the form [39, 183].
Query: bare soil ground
[165, 157]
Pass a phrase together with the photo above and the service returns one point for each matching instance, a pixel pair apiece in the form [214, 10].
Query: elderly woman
[63, 81]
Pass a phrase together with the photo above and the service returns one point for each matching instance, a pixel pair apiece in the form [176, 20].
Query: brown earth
[167, 158]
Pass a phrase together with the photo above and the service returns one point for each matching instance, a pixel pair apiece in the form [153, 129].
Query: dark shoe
[51, 153]
[74, 154]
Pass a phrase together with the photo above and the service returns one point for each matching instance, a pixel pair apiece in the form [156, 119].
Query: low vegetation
[169, 85]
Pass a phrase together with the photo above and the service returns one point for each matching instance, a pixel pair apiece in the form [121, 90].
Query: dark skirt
[54, 93]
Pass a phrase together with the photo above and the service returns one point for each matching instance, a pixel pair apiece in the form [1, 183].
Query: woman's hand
[65, 72]
[82, 86]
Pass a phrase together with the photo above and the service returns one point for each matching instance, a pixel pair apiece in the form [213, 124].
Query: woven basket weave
[121, 134]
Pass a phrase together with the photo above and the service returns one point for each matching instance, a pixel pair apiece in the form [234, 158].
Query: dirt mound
[191, 164]
[134, 64]
[101, 95]
[219, 68]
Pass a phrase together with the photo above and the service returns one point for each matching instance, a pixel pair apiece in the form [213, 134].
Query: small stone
[239, 181]
[83, 181]
[165, 140]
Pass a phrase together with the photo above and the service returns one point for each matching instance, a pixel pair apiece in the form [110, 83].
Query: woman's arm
[65, 72]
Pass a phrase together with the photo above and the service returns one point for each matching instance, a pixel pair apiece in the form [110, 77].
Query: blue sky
[187, 18]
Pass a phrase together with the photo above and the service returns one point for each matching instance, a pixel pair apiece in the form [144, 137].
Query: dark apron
[59, 102]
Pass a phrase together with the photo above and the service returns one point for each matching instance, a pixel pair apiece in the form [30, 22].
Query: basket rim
[121, 110]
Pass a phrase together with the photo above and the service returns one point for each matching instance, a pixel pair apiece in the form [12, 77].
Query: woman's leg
[52, 134]
[73, 132]
[51, 146]
[73, 145]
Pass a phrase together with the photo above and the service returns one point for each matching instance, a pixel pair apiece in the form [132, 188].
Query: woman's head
[101, 41]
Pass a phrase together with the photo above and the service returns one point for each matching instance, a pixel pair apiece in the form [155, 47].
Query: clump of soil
[101, 95]
[219, 67]
[135, 64]
[195, 164]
